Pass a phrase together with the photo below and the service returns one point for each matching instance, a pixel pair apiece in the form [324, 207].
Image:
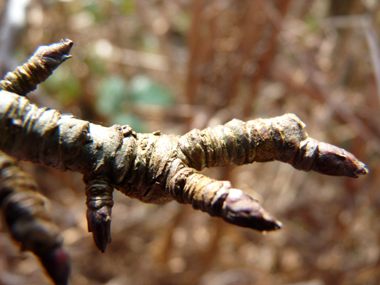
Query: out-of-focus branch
[366, 23]
[195, 31]
[38, 68]
[12, 22]
[22, 207]
[28, 221]
[374, 47]
[284, 74]
[266, 59]
[316, 86]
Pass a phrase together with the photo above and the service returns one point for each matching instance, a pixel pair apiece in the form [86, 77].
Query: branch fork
[154, 168]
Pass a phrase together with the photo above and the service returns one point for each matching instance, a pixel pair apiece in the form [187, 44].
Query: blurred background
[177, 65]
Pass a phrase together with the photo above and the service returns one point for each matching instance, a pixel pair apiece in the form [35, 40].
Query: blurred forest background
[176, 65]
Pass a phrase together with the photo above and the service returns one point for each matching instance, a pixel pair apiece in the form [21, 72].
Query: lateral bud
[99, 208]
[242, 210]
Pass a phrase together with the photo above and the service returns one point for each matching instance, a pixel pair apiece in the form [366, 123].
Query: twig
[28, 221]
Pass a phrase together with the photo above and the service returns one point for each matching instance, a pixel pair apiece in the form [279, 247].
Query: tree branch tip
[57, 264]
[336, 161]
[242, 210]
[363, 170]
[99, 223]
[57, 51]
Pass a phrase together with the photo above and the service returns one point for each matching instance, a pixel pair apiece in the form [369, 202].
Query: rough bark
[22, 207]
[28, 221]
[38, 68]
[157, 168]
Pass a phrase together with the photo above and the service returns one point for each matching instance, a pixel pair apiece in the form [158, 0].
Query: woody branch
[157, 168]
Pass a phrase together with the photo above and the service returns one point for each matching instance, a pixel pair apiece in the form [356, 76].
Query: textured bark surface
[157, 168]
[154, 168]
[22, 207]
[38, 68]
[28, 221]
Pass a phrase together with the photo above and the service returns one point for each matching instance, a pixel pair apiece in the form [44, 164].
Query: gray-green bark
[154, 168]
[22, 207]
[157, 168]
